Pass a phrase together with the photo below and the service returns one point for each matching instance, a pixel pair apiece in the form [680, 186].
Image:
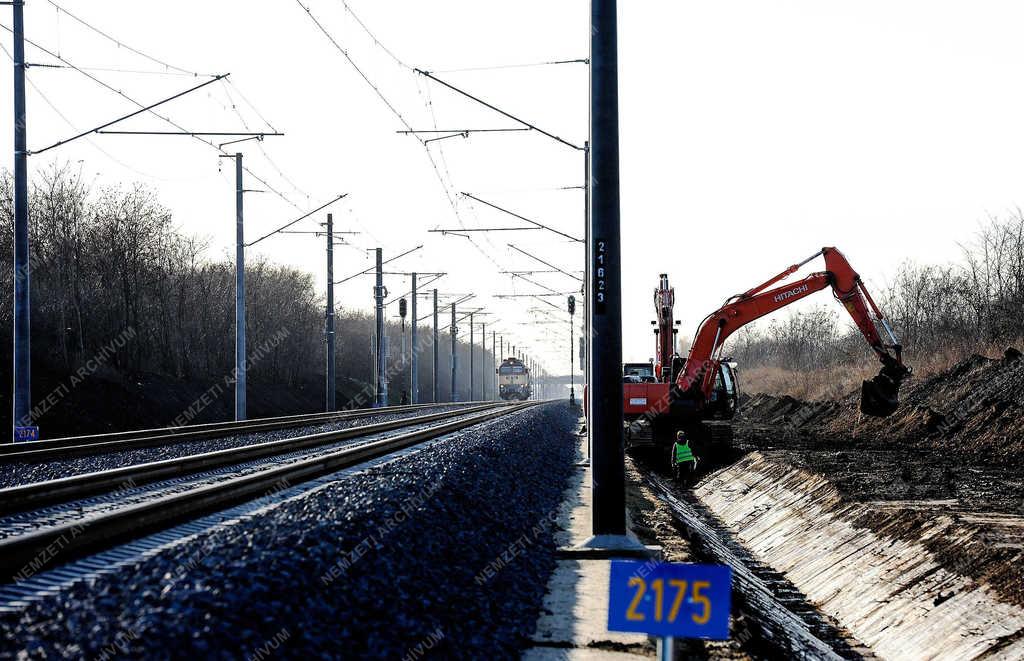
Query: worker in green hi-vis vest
[683, 459]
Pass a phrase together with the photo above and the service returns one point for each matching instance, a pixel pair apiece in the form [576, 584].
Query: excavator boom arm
[698, 375]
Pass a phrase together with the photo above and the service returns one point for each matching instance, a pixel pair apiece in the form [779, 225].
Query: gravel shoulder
[447, 550]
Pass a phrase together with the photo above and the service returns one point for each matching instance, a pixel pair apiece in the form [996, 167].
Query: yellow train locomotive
[514, 380]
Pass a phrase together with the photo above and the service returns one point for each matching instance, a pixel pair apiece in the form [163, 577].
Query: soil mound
[975, 407]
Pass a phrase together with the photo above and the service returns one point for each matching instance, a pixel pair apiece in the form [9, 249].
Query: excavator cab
[724, 400]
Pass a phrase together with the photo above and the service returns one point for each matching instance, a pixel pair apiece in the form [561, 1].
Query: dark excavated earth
[953, 452]
[447, 550]
[956, 435]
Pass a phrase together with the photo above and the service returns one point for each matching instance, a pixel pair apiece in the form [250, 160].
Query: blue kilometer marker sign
[670, 599]
[26, 434]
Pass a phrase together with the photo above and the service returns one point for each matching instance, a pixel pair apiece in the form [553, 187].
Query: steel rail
[108, 528]
[35, 495]
[779, 625]
[77, 446]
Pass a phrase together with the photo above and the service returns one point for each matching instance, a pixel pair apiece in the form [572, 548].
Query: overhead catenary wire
[545, 301]
[204, 133]
[525, 65]
[135, 72]
[74, 127]
[426, 98]
[121, 44]
[448, 188]
[163, 118]
[520, 217]
[129, 115]
[534, 283]
[497, 109]
[504, 113]
[530, 295]
[302, 217]
[460, 301]
[372, 36]
[352, 62]
[482, 229]
[249, 103]
[387, 261]
[234, 108]
[444, 177]
[548, 264]
[419, 287]
[531, 272]
[446, 180]
[394, 110]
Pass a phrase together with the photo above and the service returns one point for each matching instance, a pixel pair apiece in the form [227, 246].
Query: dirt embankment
[973, 411]
[950, 460]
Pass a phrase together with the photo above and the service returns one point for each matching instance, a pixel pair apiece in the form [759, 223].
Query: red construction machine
[699, 394]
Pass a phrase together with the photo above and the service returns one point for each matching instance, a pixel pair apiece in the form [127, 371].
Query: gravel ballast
[16, 473]
[446, 551]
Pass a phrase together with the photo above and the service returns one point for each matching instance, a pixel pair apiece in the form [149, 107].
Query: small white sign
[638, 401]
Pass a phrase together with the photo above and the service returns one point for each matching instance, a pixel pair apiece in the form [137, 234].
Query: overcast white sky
[752, 134]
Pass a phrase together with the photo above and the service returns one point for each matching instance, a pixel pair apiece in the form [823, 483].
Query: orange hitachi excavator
[692, 394]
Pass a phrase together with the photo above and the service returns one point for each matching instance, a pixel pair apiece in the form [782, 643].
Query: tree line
[111, 261]
[941, 313]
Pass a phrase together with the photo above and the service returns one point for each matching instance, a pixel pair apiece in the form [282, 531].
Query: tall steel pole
[331, 383]
[533, 373]
[436, 400]
[22, 367]
[239, 291]
[526, 362]
[454, 330]
[471, 352]
[494, 367]
[378, 295]
[572, 359]
[586, 260]
[414, 387]
[533, 377]
[483, 361]
[604, 290]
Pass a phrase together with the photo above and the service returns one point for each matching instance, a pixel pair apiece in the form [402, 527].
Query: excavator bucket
[879, 399]
[880, 396]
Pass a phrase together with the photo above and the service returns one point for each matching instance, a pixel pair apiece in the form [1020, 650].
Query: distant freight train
[514, 380]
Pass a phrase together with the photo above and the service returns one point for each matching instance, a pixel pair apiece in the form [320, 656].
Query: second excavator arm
[879, 396]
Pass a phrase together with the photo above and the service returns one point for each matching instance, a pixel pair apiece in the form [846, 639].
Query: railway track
[80, 446]
[785, 619]
[86, 513]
